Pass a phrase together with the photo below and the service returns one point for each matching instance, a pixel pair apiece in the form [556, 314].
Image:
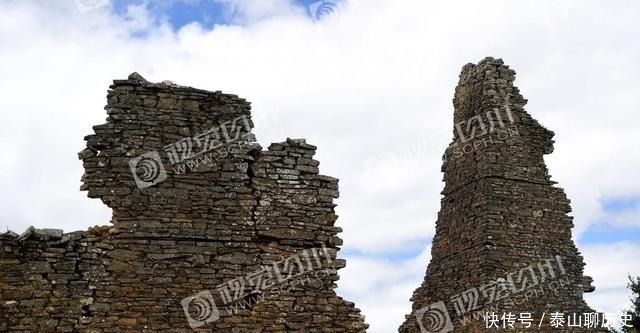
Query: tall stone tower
[210, 232]
[503, 237]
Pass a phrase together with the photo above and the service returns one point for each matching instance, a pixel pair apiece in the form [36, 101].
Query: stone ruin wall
[227, 221]
[502, 231]
[207, 225]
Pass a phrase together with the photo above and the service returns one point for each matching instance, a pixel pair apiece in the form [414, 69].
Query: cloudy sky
[370, 83]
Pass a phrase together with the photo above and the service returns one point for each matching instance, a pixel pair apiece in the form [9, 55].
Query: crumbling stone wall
[198, 207]
[503, 237]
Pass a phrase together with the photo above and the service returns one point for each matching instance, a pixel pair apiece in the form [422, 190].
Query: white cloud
[382, 288]
[252, 11]
[376, 79]
[609, 265]
[625, 219]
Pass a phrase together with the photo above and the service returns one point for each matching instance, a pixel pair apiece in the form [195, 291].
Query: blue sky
[180, 13]
[606, 230]
[209, 12]
[371, 87]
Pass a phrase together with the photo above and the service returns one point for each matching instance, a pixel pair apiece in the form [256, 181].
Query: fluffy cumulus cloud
[609, 266]
[371, 84]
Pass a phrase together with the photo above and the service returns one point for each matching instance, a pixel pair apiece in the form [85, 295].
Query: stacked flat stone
[500, 212]
[193, 231]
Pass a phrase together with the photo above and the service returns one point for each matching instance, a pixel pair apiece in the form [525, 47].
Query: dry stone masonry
[503, 237]
[213, 234]
[203, 219]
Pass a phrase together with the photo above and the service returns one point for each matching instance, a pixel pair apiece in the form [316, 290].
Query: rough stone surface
[208, 222]
[207, 209]
[503, 237]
